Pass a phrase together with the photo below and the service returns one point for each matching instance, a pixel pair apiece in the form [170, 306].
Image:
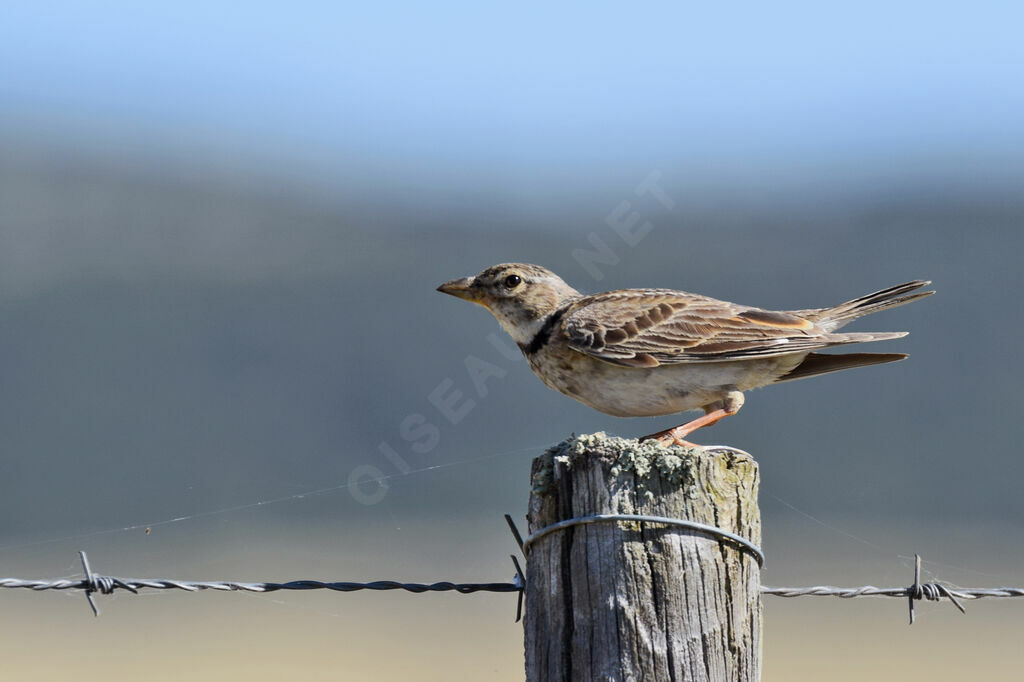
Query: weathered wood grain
[636, 602]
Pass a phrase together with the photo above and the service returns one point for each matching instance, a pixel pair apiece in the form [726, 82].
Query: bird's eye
[512, 281]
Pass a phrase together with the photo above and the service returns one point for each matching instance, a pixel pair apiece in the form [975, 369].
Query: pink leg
[675, 436]
[732, 403]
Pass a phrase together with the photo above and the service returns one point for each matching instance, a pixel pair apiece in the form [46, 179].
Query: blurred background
[220, 233]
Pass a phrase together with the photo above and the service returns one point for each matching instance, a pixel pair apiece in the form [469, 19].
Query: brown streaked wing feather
[645, 328]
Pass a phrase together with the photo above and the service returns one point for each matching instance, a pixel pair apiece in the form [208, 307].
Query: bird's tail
[821, 363]
[837, 316]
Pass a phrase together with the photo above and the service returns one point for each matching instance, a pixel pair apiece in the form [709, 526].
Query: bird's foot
[670, 437]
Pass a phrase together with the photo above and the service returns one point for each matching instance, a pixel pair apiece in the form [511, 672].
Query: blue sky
[456, 88]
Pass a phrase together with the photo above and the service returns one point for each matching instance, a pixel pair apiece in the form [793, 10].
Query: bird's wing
[650, 327]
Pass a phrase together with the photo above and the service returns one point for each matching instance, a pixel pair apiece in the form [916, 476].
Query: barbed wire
[932, 591]
[94, 583]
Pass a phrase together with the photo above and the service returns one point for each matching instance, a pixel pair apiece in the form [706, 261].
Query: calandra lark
[648, 352]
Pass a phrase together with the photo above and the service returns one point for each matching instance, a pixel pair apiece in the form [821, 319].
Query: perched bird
[649, 352]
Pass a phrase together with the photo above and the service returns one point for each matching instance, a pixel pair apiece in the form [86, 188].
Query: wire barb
[520, 582]
[90, 582]
[929, 591]
[515, 531]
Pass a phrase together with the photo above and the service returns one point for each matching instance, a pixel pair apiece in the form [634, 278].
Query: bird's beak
[461, 288]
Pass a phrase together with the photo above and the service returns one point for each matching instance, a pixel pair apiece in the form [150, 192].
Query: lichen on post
[640, 601]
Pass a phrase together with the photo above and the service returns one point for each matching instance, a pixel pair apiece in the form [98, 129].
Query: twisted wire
[92, 582]
[105, 584]
[109, 585]
[929, 591]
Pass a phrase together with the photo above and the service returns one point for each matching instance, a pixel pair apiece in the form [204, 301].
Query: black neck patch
[544, 334]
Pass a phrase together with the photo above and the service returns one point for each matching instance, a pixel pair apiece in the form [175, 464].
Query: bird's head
[519, 295]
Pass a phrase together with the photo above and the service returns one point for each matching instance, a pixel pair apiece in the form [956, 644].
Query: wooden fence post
[632, 602]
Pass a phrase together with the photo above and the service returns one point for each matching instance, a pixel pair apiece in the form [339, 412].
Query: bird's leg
[714, 412]
[676, 435]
